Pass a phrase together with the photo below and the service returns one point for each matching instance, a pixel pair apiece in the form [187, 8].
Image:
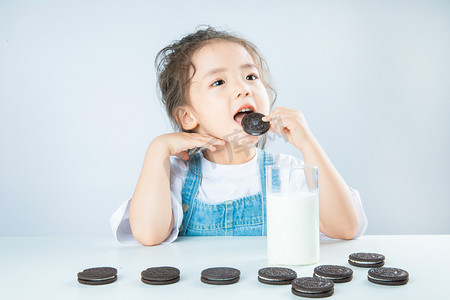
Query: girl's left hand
[291, 124]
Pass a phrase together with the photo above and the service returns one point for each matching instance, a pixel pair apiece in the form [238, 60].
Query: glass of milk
[292, 215]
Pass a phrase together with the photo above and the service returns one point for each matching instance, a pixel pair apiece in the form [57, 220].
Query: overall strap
[189, 191]
[265, 159]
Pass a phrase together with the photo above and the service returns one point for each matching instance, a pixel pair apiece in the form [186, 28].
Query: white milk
[293, 228]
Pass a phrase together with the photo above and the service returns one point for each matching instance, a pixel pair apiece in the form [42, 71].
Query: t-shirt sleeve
[361, 214]
[120, 223]
[284, 159]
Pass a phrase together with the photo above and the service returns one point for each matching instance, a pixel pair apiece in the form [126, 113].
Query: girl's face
[226, 79]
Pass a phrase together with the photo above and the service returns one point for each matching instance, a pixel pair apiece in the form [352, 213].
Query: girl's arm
[150, 213]
[151, 217]
[337, 210]
[338, 215]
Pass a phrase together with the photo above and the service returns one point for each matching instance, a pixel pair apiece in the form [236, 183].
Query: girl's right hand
[178, 143]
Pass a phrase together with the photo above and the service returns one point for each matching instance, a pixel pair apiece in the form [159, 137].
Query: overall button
[185, 207]
[181, 227]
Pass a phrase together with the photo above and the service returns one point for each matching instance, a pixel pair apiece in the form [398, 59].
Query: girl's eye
[214, 83]
[220, 80]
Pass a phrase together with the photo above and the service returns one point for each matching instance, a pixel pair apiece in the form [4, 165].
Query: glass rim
[304, 166]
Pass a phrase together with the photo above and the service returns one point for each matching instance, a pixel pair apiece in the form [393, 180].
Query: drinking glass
[292, 215]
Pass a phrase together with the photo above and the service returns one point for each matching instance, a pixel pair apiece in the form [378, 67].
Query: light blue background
[79, 105]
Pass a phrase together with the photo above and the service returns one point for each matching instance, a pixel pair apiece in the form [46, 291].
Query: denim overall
[241, 216]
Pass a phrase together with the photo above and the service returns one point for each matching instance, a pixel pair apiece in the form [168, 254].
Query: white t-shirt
[219, 183]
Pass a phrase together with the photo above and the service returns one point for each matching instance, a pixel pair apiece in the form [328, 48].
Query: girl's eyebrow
[218, 70]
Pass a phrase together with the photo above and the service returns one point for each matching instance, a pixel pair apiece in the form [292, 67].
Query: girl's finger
[205, 139]
[184, 155]
[267, 118]
[207, 144]
[270, 116]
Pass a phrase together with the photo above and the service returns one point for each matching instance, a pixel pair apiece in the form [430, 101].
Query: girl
[206, 178]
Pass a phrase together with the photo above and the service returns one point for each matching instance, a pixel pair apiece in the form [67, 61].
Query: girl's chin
[247, 140]
[237, 136]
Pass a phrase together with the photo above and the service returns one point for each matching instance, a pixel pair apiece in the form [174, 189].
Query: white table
[46, 268]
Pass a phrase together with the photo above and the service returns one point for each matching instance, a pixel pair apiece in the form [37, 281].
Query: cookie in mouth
[253, 124]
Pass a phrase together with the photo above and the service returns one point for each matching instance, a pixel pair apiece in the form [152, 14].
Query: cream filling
[219, 279]
[379, 278]
[100, 279]
[329, 277]
[308, 292]
[366, 262]
[272, 279]
[393, 279]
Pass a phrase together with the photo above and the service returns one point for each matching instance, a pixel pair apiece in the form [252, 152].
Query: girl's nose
[242, 90]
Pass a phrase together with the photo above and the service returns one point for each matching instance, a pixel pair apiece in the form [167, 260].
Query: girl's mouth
[241, 114]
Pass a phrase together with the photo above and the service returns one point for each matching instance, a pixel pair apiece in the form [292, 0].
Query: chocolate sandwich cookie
[338, 274]
[276, 275]
[160, 275]
[312, 287]
[253, 124]
[97, 276]
[366, 260]
[388, 276]
[220, 275]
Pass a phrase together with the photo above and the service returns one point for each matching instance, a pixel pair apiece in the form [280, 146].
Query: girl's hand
[178, 143]
[291, 124]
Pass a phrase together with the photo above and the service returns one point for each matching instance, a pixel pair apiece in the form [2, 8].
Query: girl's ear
[185, 118]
